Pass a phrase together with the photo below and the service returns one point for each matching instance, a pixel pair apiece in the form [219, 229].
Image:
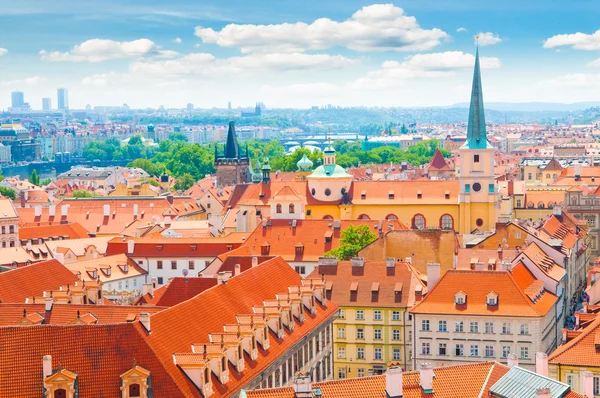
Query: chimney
[357, 262]
[37, 211]
[145, 320]
[302, 385]
[135, 209]
[46, 366]
[543, 393]
[254, 261]
[585, 307]
[557, 210]
[512, 360]
[49, 301]
[500, 252]
[587, 382]
[52, 210]
[541, 364]
[130, 246]
[223, 276]
[29, 245]
[106, 210]
[237, 270]
[564, 335]
[393, 380]
[479, 266]
[577, 172]
[408, 260]
[433, 275]
[390, 262]
[148, 288]
[426, 375]
[64, 210]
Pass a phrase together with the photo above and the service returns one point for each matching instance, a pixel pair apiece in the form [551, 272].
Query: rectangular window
[360, 353]
[459, 350]
[570, 380]
[442, 326]
[425, 348]
[396, 354]
[491, 188]
[301, 269]
[467, 188]
[342, 373]
[475, 158]
[342, 314]
[360, 334]
[159, 280]
[524, 328]
[505, 351]
[159, 264]
[378, 354]
[425, 325]
[474, 327]
[474, 350]
[489, 327]
[341, 333]
[377, 334]
[360, 372]
[506, 328]
[518, 203]
[191, 264]
[341, 352]
[173, 264]
[395, 315]
[442, 349]
[460, 326]
[360, 315]
[376, 315]
[524, 352]
[489, 351]
[396, 334]
[596, 385]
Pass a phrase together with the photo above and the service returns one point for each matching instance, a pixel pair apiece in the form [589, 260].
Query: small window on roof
[419, 194]
[391, 194]
[460, 298]
[363, 194]
[492, 299]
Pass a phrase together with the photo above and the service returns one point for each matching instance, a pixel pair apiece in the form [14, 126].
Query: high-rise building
[18, 99]
[46, 104]
[190, 107]
[63, 98]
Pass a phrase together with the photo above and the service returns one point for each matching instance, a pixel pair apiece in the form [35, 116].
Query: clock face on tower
[476, 187]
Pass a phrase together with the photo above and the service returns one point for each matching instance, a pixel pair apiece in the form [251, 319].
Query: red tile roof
[438, 162]
[581, 350]
[175, 247]
[32, 280]
[179, 290]
[71, 231]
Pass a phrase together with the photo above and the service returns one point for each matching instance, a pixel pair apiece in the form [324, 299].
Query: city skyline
[352, 53]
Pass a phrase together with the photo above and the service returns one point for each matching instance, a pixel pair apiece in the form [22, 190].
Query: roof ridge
[487, 378]
[523, 295]
[570, 344]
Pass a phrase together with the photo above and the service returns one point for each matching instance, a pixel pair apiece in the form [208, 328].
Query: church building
[232, 167]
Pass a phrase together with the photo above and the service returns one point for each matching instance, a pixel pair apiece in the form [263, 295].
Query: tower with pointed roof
[478, 190]
[232, 167]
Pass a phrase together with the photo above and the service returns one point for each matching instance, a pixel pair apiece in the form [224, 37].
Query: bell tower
[478, 191]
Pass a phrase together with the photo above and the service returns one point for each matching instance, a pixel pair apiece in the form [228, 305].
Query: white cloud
[574, 80]
[98, 50]
[579, 41]
[3, 51]
[29, 81]
[379, 27]
[460, 30]
[167, 54]
[177, 40]
[487, 39]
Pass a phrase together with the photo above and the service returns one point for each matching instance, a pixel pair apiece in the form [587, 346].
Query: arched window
[62, 393]
[292, 208]
[278, 208]
[540, 205]
[573, 200]
[134, 390]
[530, 205]
[446, 222]
[550, 205]
[327, 217]
[391, 217]
[364, 217]
[418, 221]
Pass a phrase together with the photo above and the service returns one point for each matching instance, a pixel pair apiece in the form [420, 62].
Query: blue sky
[297, 53]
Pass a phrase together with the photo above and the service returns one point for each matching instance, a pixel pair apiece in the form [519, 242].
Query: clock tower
[478, 190]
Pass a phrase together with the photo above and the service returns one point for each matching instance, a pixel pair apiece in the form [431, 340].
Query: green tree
[7, 192]
[34, 178]
[150, 167]
[353, 239]
[135, 140]
[82, 193]
[178, 137]
[185, 182]
[46, 181]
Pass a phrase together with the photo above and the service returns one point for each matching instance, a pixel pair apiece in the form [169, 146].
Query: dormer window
[492, 299]
[460, 298]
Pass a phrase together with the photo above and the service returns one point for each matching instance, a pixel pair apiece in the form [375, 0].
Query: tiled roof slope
[99, 354]
[387, 280]
[581, 350]
[177, 328]
[175, 247]
[512, 300]
[544, 262]
[179, 290]
[72, 231]
[32, 280]
[449, 382]
[438, 162]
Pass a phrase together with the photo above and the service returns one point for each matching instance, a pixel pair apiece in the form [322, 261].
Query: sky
[298, 53]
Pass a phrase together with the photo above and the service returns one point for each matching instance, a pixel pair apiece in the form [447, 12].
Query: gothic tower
[478, 191]
[232, 167]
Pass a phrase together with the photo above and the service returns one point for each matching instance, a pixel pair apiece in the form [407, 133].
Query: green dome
[329, 149]
[304, 164]
[329, 171]
[266, 165]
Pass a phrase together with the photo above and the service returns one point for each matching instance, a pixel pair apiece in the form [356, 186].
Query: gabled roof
[544, 262]
[582, 350]
[438, 162]
[179, 290]
[448, 382]
[32, 280]
[553, 165]
[68, 231]
[115, 263]
[179, 247]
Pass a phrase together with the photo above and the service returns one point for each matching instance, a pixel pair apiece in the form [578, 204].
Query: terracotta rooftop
[438, 162]
[582, 350]
[178, 290]
[65, 231]
[108, 268]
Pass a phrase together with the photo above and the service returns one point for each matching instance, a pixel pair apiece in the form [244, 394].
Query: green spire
[476, 134]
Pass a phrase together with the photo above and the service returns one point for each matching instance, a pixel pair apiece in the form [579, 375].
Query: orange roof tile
[544, 262]
[582, 350]
[71, 231]
[178, 247]
[179, 290]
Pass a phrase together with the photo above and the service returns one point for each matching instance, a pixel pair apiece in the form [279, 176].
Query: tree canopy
[352, 240]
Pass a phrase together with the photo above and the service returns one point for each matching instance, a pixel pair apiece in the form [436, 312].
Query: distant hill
[532, 106]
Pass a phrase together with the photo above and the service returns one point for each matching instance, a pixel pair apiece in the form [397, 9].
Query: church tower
[232, 167]
[478, 191]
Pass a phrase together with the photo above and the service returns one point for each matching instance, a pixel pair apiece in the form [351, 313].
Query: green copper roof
[329, 170]
[476, 134]
[256, 174]
[266, 165]
[304, 164]
[329, 149]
